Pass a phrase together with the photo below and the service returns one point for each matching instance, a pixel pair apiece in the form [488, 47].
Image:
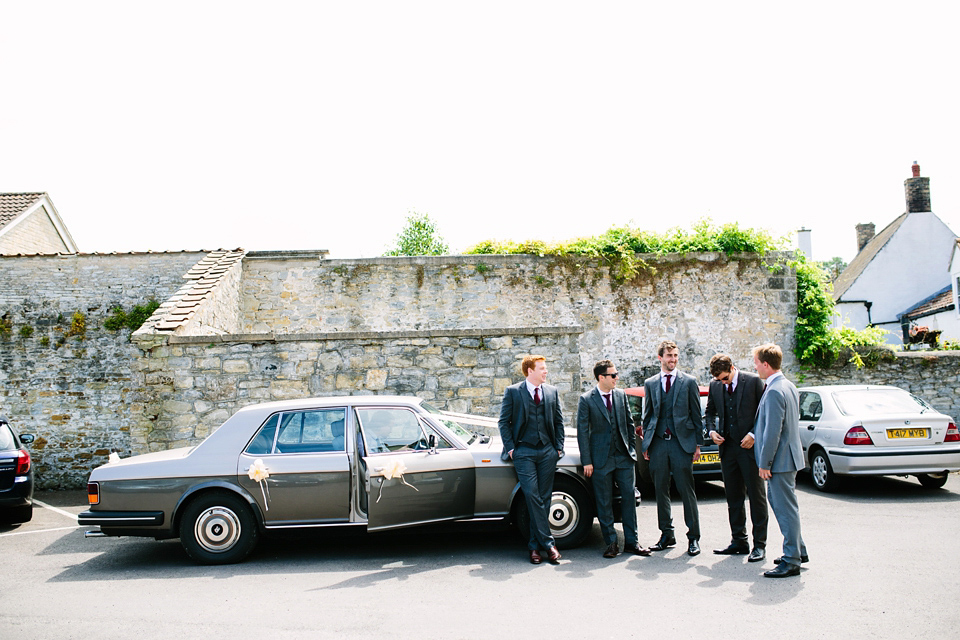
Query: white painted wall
[914, 264]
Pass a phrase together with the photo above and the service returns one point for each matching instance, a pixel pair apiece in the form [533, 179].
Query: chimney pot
[865, 233]
[916, 169]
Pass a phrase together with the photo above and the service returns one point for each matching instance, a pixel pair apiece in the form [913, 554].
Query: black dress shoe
[612, 551]
[535, 556]
[553, 555]
[635, 550]
[733, 549]
[693, 549]
[664, 543]
[757, 555]
[803, 559]
[783, 570]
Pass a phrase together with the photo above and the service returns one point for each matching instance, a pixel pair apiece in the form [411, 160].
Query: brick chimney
[865, 233]
[917, 191]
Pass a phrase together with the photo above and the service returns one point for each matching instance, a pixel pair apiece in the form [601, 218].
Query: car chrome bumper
[899, 461]
[121, 518]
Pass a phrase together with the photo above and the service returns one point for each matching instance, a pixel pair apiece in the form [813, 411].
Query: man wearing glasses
[731, 409]
[607, 442]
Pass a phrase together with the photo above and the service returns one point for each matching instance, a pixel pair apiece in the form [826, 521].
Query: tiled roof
[177, 310]
[13, 204]
[866, 255]
[940, 301]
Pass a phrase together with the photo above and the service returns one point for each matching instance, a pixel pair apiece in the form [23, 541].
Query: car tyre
[17, 515]
[821, 472]
[571, 513]
[933, 480]
[218, 528]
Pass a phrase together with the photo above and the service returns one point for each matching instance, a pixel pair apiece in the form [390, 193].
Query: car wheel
[17, 515]
[570, 515]
[933, 480]
[824, 479]
[218, 528]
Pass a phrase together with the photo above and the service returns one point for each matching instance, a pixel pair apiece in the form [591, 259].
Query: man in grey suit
[672, 435]
[607, 442]
[531, 427]
[731, 409]
[780, 455]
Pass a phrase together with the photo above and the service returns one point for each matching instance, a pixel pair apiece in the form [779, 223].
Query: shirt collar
[774, 376]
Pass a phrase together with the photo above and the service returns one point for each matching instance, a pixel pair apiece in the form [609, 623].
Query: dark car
[16, 476]
[707, 467]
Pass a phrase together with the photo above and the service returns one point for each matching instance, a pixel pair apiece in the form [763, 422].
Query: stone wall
[931, 375]
[74, 384]
[194, 385]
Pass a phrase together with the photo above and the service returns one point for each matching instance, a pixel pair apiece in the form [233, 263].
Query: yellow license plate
[708, 458]
[906, 433]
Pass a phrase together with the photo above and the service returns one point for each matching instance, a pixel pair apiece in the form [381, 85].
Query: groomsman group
[755, 426]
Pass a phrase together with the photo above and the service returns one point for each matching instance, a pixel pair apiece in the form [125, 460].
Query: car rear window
[6, 438]
[874, 402]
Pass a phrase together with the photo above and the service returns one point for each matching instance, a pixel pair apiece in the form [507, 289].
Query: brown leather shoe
[635, 550]
[612, 551]
[535, 556]
[553, 555]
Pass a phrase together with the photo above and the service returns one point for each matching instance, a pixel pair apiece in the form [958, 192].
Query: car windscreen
[6, 438]
[875, 402]
[461, 431]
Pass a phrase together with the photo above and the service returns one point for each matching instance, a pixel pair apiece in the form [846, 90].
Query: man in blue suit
[780, 455]
[672, 435]
[531, 427]
[607, 442]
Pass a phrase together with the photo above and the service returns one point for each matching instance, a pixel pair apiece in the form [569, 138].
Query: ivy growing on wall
[120, 319]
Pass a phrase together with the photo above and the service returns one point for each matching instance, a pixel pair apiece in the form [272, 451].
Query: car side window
[811, 407]
[389, 430]
[316, 431]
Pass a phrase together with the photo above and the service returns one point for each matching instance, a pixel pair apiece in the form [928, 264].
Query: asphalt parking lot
[884, 564]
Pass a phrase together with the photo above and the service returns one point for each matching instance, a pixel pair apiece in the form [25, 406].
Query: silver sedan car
[875, 430]
[376, 462]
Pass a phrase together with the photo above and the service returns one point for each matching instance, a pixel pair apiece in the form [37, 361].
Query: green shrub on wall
[120, 319]
[817, 343]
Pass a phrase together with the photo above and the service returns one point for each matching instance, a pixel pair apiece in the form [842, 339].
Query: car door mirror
[26, 438]
[432, 443]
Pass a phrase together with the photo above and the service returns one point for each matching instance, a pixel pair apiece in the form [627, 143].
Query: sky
[323, 125]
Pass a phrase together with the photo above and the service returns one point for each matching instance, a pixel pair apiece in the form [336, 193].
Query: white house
[30, 224]
[901, 268]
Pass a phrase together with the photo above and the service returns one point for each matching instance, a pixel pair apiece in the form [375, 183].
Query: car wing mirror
[432, 443]
[26, 438]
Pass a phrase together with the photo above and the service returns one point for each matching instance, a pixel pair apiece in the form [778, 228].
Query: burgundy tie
[606, 397]
[669, 375]
[536, 396]
[730, 388]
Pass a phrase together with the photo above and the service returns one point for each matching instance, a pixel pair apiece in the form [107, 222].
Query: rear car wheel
[571, 514]
[933, 480]
[218, 528]
[821, 472]
[17, 515]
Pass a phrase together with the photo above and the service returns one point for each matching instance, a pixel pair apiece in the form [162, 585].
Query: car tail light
[23, 462]
[93, 492]
[857, 435]
[953, 435]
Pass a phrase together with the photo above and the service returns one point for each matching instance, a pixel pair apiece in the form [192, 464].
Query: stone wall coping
[376, 335]
[927, 354]
[498, 258]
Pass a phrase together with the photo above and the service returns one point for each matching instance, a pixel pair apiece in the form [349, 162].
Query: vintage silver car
[377, 462]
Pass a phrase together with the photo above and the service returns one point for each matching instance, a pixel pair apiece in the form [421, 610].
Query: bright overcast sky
[322, 125]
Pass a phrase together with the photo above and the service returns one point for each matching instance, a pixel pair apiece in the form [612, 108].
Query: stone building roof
[13, 204]
[866, 255]
[940, 301]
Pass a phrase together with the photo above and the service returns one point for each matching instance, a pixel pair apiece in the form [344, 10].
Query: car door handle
[810, 427]
[378, 469]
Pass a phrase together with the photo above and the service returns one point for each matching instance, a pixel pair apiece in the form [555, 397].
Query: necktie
[730, 388]
[606, 398]
[669, 375]
[536, 396]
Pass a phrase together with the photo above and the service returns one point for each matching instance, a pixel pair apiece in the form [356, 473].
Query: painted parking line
[52, 508]
[20, 533]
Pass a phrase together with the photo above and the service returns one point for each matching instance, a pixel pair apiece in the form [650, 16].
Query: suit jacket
[513, 416]
[777, 428]
[747, 398]
[684, 401]
[594, 426]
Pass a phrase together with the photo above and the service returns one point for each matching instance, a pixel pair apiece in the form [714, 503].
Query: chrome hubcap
[564, 514]
[217, 529]
[819, 470]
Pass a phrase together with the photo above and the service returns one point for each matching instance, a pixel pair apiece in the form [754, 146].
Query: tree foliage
[419, 238]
